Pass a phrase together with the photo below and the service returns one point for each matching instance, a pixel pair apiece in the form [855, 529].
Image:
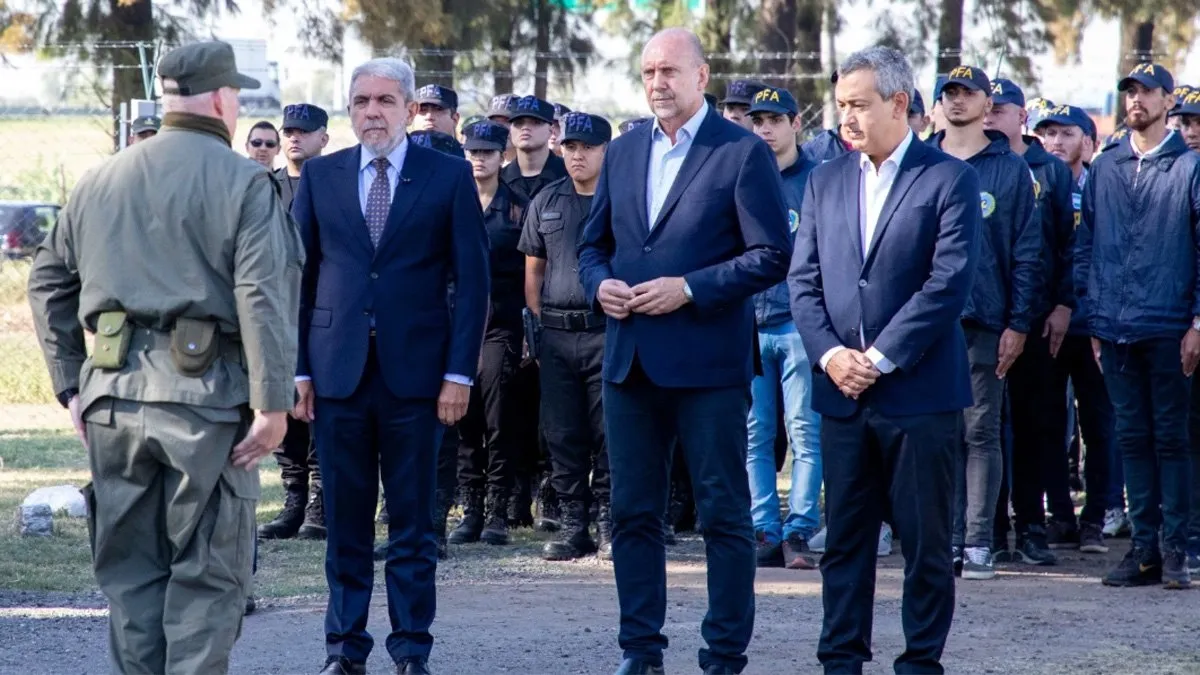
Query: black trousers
[573, 412]
[487, 445]
[873, 461]
[297, 456]
[1038, 441]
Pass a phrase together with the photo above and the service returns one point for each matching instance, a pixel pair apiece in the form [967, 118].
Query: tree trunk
[129, 22]
[541, 63]
[777, 33]
[502, 59]
[716, 36]
[950, 36]
[808, 89]
[1137, 46]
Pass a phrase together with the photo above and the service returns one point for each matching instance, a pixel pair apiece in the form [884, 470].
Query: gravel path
[505, 611]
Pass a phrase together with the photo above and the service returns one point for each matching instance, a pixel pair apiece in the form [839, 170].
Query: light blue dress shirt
[667, 159]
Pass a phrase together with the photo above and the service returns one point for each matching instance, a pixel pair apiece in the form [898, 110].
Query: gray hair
[893, 73]
[389, 68]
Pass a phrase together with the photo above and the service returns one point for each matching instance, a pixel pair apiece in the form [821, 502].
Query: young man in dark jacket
[1000, 312]
[1136, 263]
[1069, 134]
[773, 113]
[1037, 450]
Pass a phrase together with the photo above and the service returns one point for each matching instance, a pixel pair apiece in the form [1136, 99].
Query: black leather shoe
[414, 666]
[340, 665]
[635, 667]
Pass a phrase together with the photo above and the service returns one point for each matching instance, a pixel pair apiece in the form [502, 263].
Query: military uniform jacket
[176, 226]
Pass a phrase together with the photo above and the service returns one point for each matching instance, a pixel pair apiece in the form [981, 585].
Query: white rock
[35, 520]
[59, 498]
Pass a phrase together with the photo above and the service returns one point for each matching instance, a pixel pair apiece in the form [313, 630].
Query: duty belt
[579, 320]
[148, 339]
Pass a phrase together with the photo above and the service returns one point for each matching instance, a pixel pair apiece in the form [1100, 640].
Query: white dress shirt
[666, 160]
[873, 189]
[366, 176]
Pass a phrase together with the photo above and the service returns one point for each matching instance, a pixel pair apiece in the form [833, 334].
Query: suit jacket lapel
[851, 187]
[702, 147]
[640, 169]
[408, 189]
[911, 166]
[347, 179]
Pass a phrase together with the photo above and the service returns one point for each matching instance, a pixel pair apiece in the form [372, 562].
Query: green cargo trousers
[172, 527]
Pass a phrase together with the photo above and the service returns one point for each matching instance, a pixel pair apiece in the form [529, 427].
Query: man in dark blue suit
[688, 223]
[384, 362]
[885, 258]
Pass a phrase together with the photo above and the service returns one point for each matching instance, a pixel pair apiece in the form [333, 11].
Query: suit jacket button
[862, 283]
[366, 312]
[646, 249]
[374, 275]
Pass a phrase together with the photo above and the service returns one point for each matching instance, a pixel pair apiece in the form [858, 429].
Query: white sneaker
[885, 541]
[1116, 523]
[977, 564]
[816, 543]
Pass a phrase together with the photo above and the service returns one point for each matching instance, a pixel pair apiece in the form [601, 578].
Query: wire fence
[56, 123]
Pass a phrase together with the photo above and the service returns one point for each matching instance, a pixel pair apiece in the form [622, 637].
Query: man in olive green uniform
[178, 255]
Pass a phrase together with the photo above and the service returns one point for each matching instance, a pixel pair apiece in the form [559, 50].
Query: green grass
[23, 375]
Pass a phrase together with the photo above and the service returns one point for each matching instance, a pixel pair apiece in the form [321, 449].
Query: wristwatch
[64, 397]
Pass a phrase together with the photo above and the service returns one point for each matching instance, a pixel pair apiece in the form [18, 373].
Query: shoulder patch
[988, 202]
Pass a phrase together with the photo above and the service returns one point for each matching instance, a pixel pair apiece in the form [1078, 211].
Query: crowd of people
[560, 332]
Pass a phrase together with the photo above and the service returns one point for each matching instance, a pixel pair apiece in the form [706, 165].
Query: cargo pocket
[232, 542]
[89, 500]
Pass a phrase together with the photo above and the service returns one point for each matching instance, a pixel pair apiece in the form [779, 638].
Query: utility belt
[194, 344]
[572, 320]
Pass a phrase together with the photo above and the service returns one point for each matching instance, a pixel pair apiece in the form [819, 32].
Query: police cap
[585, 128]
[971, 77]
[1006, 91]
[436, 140]
[1150, 75]
[305, 117]
[777, 101]
[530, 106]
[741, 92]
[485, 135]
[436, 94]
[628, 125]
[144, 124]
[201, 67]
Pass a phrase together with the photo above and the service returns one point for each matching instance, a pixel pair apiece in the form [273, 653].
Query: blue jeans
[784, 360]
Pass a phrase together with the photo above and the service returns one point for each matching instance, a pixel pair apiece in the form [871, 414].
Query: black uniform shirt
[553, 225]
[287, 186]
[528, 187]
[502, 219]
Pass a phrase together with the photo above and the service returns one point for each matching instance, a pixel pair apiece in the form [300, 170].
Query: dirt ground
[512, 613]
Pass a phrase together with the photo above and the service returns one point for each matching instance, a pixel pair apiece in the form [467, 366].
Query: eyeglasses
[258, 143]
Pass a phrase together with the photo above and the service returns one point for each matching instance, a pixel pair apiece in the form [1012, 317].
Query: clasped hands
[852, 372]
[656, 297]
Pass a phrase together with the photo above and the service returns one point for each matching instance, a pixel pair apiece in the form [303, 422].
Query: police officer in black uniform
[571, 348]
[486, 450]
[530, 119]
[437, 140]
[303, 515]
[735, 107]
[556, 128]
[437, 109]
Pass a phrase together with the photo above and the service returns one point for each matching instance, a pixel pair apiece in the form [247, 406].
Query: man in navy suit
[384, 362]
[885, 258]
[688, 223]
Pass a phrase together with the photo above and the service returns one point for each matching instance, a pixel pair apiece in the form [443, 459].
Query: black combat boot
[287, 523]
[520, 504]
[313, 528]
[573, 541]
[469, 529]
[495, 529]
[550, 516]
[442, 499]
[604, 531]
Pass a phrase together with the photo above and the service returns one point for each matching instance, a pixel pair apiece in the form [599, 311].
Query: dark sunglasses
[258, 143]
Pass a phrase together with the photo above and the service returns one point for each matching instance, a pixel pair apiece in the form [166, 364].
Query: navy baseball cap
[436, 140]
[436, 94]
[530, 106]
[585, 128]
[917, 106]
[628, 125]
[499, 106]
[938, 83]
[485, 135]
[1068, 116]
[1150, 75]
[771, 100]
[742, 92]
[1181, 92]
[1189, 105]
[970, 77]
[304, 116]
[1006, 91]
[559, 111]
